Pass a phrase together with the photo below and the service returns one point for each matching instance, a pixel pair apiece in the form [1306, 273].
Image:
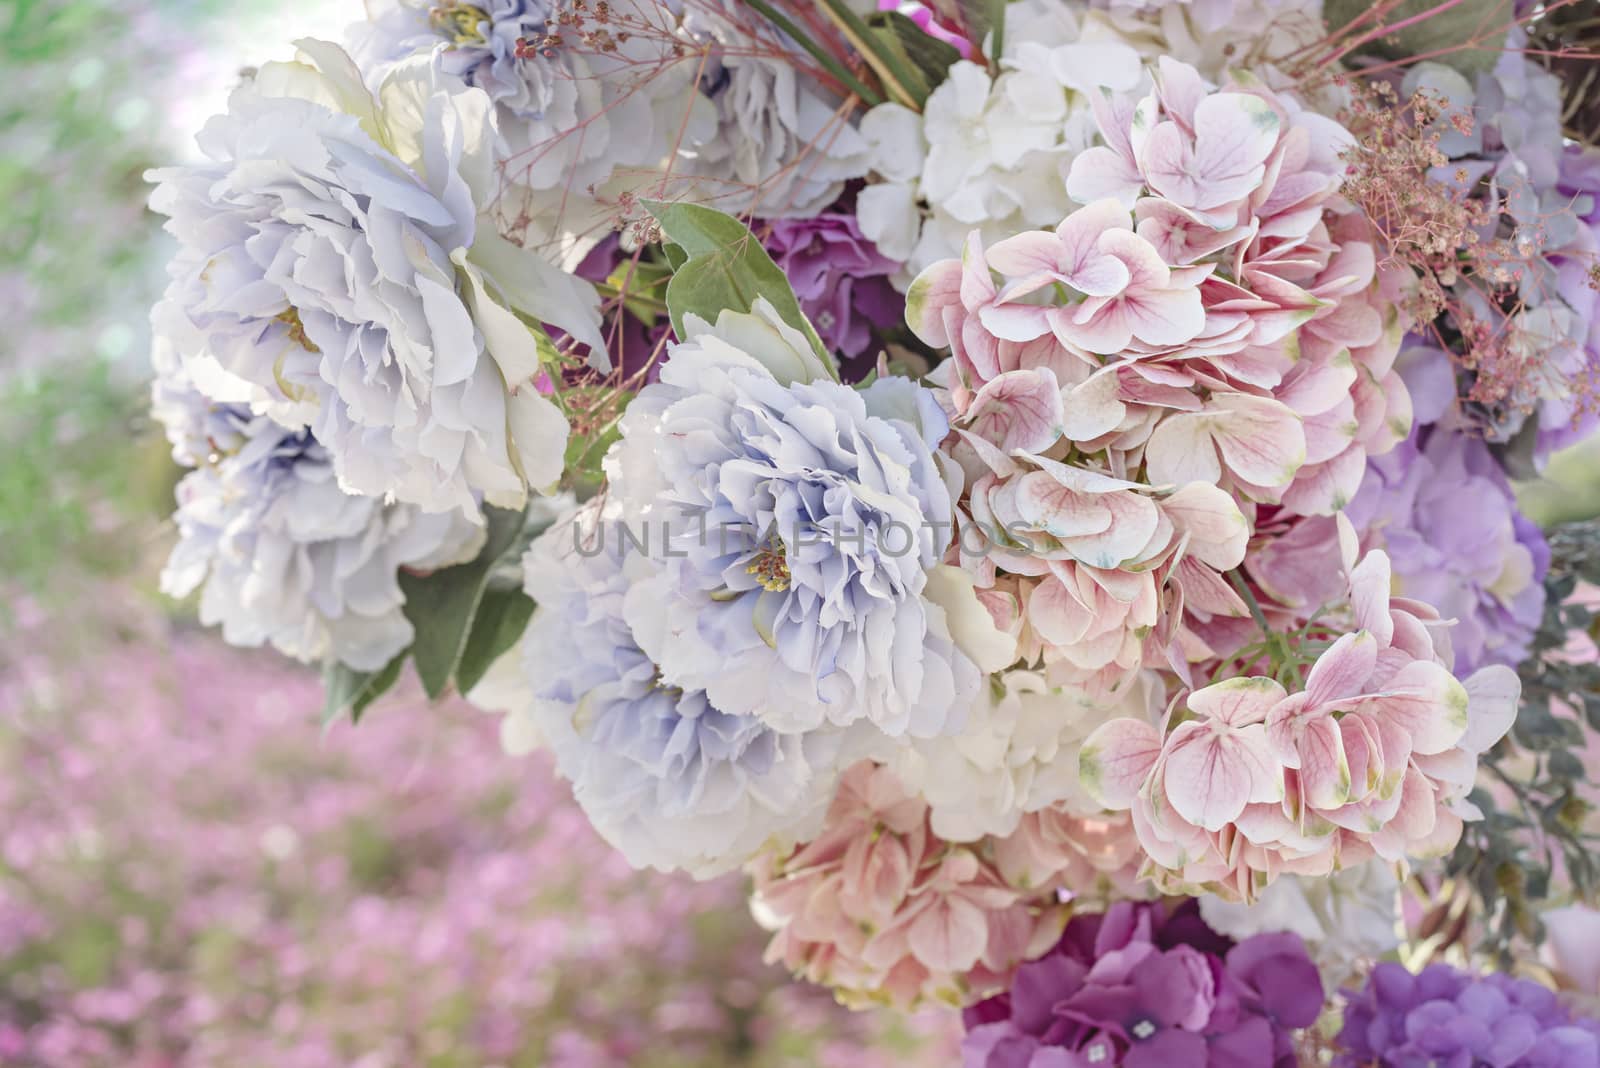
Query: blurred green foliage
[85, 89]
[1569, 491]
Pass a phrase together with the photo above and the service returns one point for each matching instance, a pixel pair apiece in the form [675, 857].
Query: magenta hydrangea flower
[1447, 1017]
[841, 279]
[1150, 986]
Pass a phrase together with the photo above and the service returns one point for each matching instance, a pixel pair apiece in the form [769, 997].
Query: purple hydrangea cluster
[1150, 986]
[841, 280]
[1445, 513]
[1546, 195]
[1452, 1019]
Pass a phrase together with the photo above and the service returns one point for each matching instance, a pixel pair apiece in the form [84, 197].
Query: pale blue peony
[332, 257]
[802, 520]
[281, 554]
[600, 113]
[664, 775]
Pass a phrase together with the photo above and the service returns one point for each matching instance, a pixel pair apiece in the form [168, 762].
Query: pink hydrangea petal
[1369, 596]
[1343, 670]
[1116, 760]
[1018, 411]
[1493, 694]
[1234, 135]
[1181, 89]
[1260, 440]
[1324, 770]
[1238, 702]
[931, 292]
[1325, 488]
[1135, 520]
[1210, 777]
[1427, 702]
[1056, 613]
[1015, 322]
[1059, 510]
[1093, 407]
[1218, 532]
[1029, 253]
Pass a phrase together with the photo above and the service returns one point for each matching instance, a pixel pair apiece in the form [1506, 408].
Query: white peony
[584, 123]
[783, 148]
[283, 556]
[333, 257]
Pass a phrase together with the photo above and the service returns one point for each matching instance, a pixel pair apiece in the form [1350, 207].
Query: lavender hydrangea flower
[283, 556]
[1145, 986]
[802, 519]
[1445, 513]
[1443, 1016]
[840, 277]
[665, 775]
[1514, 146]
[332, 257]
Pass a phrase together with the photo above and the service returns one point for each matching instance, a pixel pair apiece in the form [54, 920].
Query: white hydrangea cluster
[991, 153]
[1348, 919]
[1018, 754]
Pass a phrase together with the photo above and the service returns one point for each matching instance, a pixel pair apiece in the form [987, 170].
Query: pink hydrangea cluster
[1371, 757]
[1209, 337]
[882, 910]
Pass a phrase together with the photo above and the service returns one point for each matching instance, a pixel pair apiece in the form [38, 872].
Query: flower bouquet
[1029, 482]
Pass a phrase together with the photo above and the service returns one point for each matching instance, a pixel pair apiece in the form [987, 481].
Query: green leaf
[891, 64]
[346, 690]
[928, 57]
[501, 619]
[726, 269]
[640, 285]
[1443, 36]
[443, 605]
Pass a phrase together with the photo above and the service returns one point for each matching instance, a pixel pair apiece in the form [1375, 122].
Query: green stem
[997, 29]
[833, 66]
[1250, 599]
[900, 81]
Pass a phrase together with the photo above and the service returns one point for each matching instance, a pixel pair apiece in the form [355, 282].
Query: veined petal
[1237, 702]
[1343, 670]
[1116, 759]
[1018, 411]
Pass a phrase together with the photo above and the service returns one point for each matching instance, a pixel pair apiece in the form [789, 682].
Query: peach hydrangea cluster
[1208, 337]
[1371, 757]
[884, 911]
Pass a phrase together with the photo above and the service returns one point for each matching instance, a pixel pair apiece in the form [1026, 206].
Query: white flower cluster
[1017, 755]
[991, 153]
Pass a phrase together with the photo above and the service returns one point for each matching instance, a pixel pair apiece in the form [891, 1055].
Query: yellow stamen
[458, 22]
[297, 329]
[770, 568]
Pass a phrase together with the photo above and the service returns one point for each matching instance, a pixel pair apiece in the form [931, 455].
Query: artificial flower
[332, 256]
